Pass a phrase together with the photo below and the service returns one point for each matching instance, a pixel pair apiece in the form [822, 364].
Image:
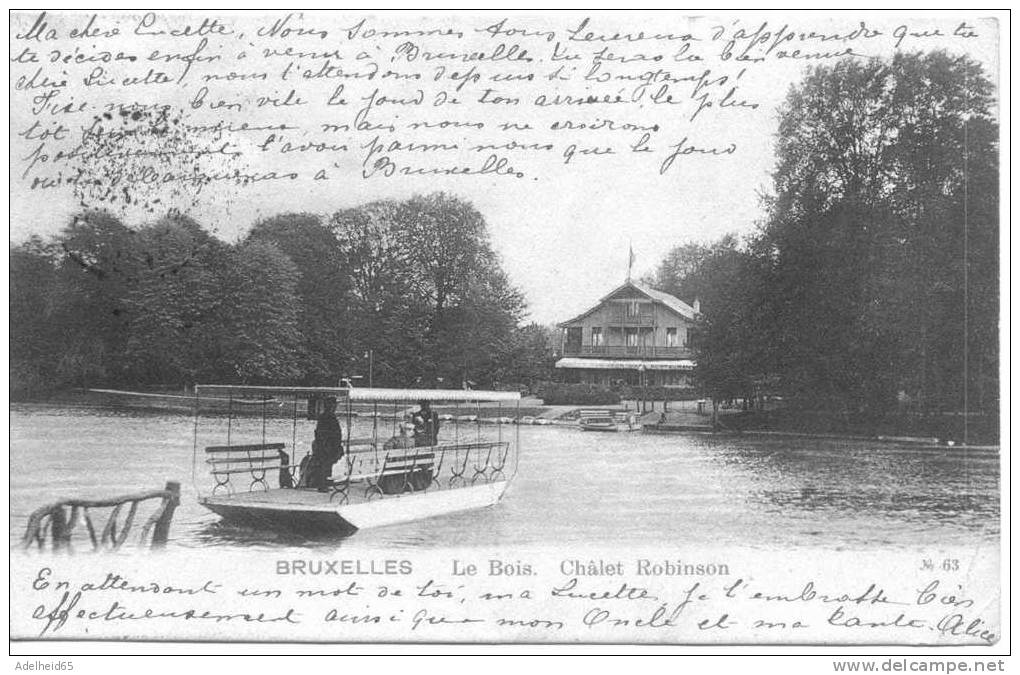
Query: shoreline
[180, 403]
[918, 442]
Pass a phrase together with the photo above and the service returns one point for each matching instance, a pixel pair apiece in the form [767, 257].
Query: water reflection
[845, 479]
[571, 488]
[223, 533]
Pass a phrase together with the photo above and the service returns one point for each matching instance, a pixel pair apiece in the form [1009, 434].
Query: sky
[563, 238]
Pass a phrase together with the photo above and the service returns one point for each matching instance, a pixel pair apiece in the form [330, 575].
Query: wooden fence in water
[56, 524]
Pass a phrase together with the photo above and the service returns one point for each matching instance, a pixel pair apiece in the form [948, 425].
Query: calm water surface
[572, 487]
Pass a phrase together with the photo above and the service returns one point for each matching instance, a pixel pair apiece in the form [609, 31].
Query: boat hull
[593, 427]
[315, 514]
[608, 427]
[301, 521]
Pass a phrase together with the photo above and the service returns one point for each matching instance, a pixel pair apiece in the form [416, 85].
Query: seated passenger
[401, 439]
[408, 480]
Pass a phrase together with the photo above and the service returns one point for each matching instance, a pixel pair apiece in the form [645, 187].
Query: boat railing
[404, 470]
[58, 523]
[379, 470]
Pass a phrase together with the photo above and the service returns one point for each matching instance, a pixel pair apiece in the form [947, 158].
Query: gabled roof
[671, 302]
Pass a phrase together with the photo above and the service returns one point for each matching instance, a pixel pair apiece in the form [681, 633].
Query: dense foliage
[872, 282]
[414, 287]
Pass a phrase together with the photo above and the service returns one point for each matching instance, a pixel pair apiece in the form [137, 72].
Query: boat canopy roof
[450, 395]
[366, 394]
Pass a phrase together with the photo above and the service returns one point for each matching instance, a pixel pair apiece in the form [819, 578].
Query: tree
[681, 272]
[882, 236]
[472, 334]
[731, 355]
[470, 306]
[97, 269]
[323, 311]
[528, 357]
[33, 342]
[385, 314]
[259, 336]
[174, 334]
[469, 303]
[428, 293]
[415, 282]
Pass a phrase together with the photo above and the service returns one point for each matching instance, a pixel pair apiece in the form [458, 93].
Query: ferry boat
[253, 475]
[605, 420]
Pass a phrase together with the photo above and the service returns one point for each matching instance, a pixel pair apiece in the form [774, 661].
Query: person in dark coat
[327, 447]
[426, 434]
[426, 425]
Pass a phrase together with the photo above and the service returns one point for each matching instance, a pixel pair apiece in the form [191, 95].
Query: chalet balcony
[644, 352]
[631, 320]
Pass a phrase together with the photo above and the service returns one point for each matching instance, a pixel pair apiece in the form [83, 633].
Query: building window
[633, 309]
[573, 339]
[671, 337]
[596, 336]
[632, 337]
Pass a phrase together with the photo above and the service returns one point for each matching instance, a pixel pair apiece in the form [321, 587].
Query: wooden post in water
[161, 531]
[59, 529]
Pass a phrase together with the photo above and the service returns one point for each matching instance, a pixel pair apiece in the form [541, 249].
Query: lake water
[572, 487]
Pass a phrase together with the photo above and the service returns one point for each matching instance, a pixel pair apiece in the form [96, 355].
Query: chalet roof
[671, 302]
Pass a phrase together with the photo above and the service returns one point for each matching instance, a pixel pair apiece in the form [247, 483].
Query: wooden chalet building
[634, 335]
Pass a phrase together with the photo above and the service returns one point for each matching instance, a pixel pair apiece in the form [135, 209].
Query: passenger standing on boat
[426, 425]
[327, 447]
[426, 434]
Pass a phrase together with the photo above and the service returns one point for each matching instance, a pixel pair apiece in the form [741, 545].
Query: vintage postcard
[548, 327]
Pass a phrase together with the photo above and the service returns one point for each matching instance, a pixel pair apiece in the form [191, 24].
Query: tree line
[871, 282]
[410, 289]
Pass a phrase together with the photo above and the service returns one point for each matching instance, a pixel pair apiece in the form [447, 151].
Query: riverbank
[165, 399]
[936, 429]
[682, 417]
[932, 431]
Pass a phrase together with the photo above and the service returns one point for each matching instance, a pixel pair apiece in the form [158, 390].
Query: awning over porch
[625, 364]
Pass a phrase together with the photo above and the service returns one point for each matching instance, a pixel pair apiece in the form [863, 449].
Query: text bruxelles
[344, 567]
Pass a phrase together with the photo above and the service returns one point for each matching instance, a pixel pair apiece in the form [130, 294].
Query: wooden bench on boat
[258, 459]
[255, 460]
[404, 470]
[395, 474]
[416, 469]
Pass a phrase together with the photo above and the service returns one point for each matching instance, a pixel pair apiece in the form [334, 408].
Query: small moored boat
[605, 420]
